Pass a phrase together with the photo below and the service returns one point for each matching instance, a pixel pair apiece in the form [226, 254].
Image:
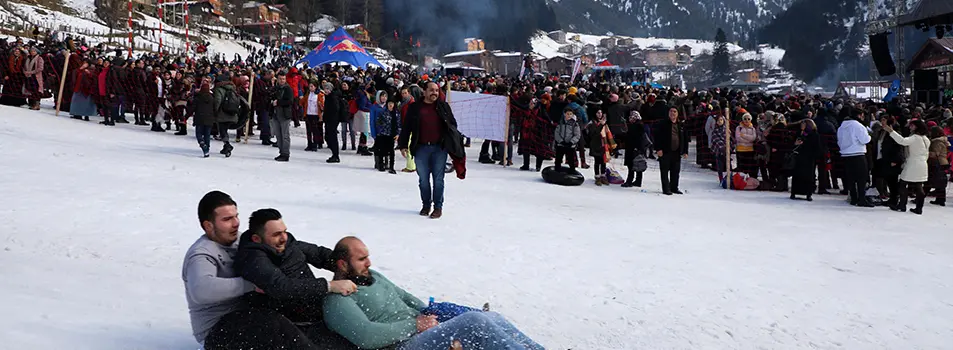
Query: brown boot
[425, 211]
[437, 213]
[598, 181]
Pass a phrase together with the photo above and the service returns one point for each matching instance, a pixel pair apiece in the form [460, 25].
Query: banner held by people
[480, 116]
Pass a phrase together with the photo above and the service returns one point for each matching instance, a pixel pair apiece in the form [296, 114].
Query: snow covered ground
[97, 221]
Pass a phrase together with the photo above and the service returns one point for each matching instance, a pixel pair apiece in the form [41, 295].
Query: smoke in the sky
[444, 24]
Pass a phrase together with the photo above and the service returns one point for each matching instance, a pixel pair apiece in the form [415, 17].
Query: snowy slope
[86, 22]
[668, 18]
[97, 221]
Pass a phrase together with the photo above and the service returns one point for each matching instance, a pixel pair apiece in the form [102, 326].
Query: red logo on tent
[347, 45]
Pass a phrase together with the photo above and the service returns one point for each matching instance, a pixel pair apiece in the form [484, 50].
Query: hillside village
[215, 27]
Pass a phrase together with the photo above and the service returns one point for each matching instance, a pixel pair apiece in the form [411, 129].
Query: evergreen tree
[720, 63]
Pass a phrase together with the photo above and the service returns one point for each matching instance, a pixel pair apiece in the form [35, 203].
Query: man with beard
[429, 121]
[217, 296]
[382, 315]
[671, 145]
[270, 258]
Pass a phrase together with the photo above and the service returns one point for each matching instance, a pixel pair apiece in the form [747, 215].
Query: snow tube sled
[614, 177]
[563, 177]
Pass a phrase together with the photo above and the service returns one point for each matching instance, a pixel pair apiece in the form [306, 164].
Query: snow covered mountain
[697, 19]
[824, 36]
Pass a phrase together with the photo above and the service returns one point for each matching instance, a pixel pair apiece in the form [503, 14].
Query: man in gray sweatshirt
[219, 313]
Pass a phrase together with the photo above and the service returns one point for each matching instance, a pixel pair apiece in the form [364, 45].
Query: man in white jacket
[218, 307]
[852, 138]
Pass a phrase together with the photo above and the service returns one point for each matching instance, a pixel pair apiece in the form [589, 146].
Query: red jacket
[293, 80]
[84, 82]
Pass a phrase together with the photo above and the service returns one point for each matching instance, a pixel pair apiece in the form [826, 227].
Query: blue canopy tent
[651, 84]
[339, 47]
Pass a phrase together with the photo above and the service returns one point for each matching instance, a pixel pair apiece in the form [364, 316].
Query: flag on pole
[576, 66]
[893, 91]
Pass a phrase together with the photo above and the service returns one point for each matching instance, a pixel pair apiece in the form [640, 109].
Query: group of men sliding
[256, 291]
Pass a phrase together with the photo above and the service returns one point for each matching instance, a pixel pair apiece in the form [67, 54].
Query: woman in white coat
[914, 173]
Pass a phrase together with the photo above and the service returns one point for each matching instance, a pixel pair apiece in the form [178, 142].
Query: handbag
[790, 160]
[639, 164]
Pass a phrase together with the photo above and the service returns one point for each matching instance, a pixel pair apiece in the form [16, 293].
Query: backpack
[231, 104]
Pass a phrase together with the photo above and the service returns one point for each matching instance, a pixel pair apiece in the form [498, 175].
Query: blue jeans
[474, 330]
[204, 136]
[431, 161]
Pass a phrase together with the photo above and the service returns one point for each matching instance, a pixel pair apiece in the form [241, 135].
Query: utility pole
[129, 25]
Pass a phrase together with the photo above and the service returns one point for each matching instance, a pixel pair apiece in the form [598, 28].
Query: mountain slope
[669, 18]
[821, 35]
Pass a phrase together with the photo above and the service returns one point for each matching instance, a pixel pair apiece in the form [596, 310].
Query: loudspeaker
[880, 51]
[925, 79]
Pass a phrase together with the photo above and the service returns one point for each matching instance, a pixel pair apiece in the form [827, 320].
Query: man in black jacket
[332, 112]
[671, 141]
[270, 258]
[429, 122]
[282, 100]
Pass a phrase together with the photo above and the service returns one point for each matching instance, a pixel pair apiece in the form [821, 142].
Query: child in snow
[376, 109]
[567, 135]
[387, 126]
[601, 144]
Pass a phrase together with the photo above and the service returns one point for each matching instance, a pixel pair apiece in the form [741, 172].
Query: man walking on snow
[429, 121]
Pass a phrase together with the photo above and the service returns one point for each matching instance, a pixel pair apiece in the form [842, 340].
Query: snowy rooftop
[464, 53]
[462, 65]
[507, 54]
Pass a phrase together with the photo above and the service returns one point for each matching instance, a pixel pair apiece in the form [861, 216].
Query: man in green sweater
[382, 315]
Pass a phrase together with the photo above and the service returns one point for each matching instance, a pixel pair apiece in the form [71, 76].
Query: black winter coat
[332, 108]
[284, 97]
[286, 278]
[634, 142]
[203, 109]
[811, 150]
[412, 125]
[663, 136]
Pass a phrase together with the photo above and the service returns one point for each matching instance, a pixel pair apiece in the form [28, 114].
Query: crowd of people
[801, 144]
[256, 290]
